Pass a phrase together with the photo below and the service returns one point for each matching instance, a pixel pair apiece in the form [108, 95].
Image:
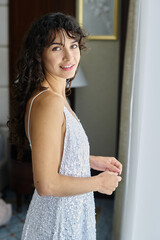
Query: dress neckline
[73, 115]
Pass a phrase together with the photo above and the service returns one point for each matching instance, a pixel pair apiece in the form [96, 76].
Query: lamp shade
[79, 80]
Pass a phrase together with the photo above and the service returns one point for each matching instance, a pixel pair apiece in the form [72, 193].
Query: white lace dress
[65, 218]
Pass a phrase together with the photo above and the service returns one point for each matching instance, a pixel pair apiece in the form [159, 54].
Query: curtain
[129, 74]
[137, 199]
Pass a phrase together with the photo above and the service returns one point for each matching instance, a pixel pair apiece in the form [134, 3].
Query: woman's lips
[68, 67]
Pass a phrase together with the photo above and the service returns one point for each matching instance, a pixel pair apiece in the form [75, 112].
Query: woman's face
[62, 58]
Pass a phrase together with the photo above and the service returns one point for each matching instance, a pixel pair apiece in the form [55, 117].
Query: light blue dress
[64, 218]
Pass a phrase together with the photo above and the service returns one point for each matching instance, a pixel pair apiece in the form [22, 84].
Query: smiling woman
[62, 206]
[61, 59]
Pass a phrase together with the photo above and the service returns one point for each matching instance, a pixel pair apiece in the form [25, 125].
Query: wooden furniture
[4, 156]
[21, 180]
[21, 177]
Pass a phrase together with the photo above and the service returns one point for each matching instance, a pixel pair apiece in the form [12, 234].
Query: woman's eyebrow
[75, 41]
[54, 43]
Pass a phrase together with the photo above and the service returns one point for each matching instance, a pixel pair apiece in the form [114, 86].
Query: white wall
[4, 65]
[141, 199]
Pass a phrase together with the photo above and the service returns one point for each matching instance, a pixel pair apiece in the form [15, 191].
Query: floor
[13, 230]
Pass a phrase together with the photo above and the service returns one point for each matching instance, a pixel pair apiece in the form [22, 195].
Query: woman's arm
[46, 137]
[100, 163]
[68, 186]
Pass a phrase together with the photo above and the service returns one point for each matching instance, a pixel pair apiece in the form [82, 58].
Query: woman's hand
[108, 182]
[110, 164]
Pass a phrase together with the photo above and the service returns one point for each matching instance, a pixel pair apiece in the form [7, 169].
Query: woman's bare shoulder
[49, 100]
[48, 105]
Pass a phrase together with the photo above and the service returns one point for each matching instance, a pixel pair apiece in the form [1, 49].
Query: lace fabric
[65, 218]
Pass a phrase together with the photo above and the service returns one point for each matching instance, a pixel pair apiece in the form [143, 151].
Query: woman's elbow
[47, 190]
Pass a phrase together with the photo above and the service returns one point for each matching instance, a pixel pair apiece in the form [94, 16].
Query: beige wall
[96, 104]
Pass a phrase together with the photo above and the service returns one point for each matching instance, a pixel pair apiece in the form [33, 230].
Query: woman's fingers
[108, 182]
[112, 168]
[119, 178]
[115, 163]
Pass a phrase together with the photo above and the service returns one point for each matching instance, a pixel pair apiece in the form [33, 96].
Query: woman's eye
[56, 49]
[74, 45]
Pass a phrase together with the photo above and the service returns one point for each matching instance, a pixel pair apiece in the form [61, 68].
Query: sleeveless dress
[64, 218]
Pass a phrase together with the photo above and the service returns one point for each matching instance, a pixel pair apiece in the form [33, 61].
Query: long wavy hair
[30, 72]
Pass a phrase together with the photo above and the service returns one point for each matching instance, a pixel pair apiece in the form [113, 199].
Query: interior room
[115, 95]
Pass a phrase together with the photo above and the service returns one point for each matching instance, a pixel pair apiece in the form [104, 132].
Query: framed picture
[99, 18]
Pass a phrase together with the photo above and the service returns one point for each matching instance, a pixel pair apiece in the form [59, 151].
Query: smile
[67, 67]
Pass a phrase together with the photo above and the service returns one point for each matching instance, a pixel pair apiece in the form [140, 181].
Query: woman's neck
[55, 85]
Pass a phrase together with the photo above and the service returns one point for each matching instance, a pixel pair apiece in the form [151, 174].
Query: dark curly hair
[30, 72]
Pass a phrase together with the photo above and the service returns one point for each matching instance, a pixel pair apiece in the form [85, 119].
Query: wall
[4, 91]
[4, 68]
[96, 104]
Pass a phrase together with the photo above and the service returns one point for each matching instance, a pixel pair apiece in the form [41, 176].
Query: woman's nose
[67, 54]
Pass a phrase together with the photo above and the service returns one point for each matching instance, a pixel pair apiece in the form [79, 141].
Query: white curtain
[138, 197]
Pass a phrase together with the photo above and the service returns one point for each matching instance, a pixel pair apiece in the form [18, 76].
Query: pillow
[5, 212]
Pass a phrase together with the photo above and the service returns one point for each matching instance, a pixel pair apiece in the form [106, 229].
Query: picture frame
[99, 18]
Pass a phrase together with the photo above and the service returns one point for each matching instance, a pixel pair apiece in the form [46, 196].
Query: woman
[62, 206]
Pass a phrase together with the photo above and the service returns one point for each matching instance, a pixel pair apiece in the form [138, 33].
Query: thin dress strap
[30, 114]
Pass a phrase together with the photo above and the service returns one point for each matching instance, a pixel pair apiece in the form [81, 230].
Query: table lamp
[78, 81]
